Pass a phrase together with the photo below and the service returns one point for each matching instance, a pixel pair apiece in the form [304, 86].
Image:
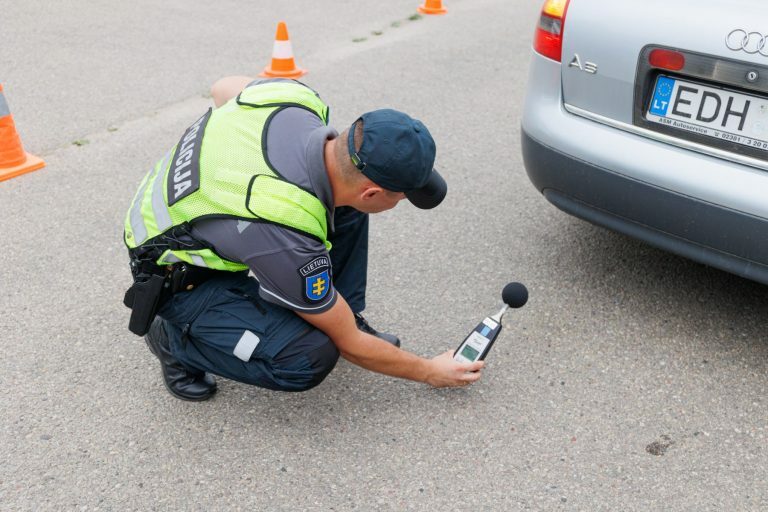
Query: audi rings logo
[749, 42]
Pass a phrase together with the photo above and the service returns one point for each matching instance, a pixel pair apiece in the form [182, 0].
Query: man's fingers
[456, 373]
[470, 377]
[473, 367]
[476, 366]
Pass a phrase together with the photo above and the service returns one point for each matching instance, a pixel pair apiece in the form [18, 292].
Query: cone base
[32, 163]
[431, 10]
[294, 73]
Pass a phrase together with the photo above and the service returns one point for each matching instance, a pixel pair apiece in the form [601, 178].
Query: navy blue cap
[398, 154]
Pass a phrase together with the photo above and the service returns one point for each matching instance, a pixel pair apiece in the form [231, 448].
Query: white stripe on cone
[282, 50]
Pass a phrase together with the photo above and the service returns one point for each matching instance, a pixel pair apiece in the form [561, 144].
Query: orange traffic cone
[432, 7]
[282, 65]
[13, 159]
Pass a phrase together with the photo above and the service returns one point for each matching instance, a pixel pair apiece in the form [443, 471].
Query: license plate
[718, 113]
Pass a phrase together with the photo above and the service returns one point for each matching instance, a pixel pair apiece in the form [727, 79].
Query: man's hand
[445, 372]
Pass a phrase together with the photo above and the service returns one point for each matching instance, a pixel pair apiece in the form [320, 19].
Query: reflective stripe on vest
[138, 229]
[218, 169]
[159, 208]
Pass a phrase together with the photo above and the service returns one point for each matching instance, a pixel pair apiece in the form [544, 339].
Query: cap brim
[431, 194]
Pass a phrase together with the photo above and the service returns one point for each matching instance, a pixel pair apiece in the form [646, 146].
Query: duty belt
[153, 285]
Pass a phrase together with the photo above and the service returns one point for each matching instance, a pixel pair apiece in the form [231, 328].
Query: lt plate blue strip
[662, 96]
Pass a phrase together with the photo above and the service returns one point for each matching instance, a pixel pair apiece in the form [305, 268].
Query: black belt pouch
[144, 300]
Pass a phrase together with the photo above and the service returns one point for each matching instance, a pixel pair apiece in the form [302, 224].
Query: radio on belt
[479, 342]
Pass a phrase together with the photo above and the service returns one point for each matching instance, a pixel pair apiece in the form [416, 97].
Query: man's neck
[334, 174]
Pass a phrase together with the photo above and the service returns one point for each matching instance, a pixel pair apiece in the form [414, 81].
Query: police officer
[262, 184]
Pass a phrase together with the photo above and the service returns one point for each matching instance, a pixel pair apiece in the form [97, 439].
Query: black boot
[182, 382]
[362, 324]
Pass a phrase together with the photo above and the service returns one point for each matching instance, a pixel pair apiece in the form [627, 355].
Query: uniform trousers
[225, 328]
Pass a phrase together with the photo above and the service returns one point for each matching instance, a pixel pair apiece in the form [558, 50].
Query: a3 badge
[317, 278]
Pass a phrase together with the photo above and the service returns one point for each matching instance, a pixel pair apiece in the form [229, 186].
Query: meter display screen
[470, 353]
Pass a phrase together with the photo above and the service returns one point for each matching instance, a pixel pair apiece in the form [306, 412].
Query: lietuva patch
[184, 173]
[317, 278]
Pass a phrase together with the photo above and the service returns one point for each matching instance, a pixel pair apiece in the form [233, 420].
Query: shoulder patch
[317, 278]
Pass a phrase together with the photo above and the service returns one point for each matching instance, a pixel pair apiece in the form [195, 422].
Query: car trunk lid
[604, 43]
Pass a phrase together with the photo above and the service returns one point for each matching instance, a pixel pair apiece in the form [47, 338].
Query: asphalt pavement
[632, 380]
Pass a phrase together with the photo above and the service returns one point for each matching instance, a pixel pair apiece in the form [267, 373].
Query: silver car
[650, 117]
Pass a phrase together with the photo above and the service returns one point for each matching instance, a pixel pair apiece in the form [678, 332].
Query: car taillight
[667, 59]
[548, 39]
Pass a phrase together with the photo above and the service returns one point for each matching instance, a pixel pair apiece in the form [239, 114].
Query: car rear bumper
[705, 208]
[714, 235]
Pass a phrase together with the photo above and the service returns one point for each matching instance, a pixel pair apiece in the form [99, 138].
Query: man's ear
[370, 192]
